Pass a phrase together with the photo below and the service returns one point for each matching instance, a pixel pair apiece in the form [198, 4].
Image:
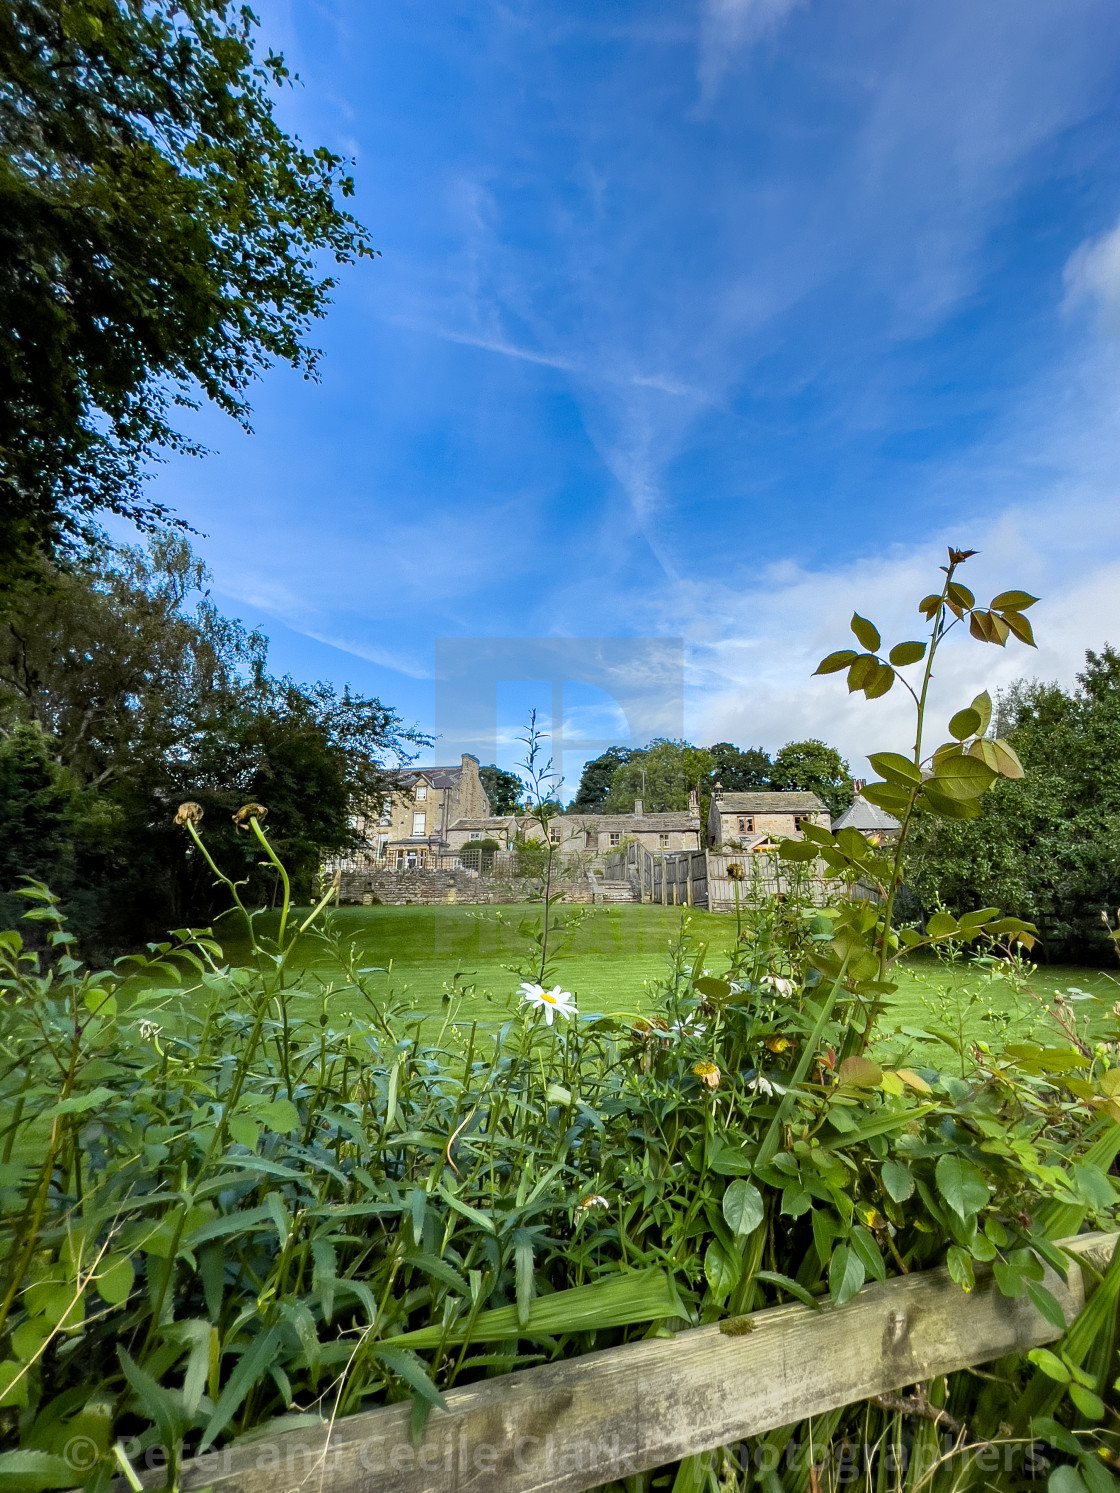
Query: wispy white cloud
[1093, 275]
[726, 27]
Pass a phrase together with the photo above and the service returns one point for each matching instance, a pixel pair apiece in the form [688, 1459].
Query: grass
[613, 955]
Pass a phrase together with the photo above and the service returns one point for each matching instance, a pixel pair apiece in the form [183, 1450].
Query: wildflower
[188, 813]
[778, 984]
[778, 1044]
[647, 1030]
[247, 812]
[589, 1202]
[686, 1028]
[149, 1031]
[552, 1002]
[707, 1073]
[735, 872]
[767, 1087]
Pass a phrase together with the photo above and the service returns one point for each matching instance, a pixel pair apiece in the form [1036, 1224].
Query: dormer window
[554, 834]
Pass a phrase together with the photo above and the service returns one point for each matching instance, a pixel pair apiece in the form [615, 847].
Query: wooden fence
[763, 872]
[569, 1426]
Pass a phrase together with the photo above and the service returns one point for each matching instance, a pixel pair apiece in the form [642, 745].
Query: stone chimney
[858, 785]
[693, 804]
[637, 808]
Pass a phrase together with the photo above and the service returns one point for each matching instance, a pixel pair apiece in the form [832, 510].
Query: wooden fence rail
[569, 1426]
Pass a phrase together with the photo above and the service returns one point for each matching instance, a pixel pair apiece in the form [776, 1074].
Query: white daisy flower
[552, 1002]
[779, 985]
[765, 1086]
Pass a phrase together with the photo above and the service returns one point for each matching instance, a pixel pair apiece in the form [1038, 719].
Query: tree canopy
[160, 238]
[811, 766]
[595, 780]
[1044, 847]
[739, 771]
[123, 691]
[505, 790]
[662, 775]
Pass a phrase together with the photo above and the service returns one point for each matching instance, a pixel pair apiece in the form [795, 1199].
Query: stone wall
[433, 888]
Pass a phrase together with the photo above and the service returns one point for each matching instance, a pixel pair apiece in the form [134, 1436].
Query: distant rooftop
[867, 818]
[769, 803]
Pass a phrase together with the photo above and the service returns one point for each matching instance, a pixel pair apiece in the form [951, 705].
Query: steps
[614, 891]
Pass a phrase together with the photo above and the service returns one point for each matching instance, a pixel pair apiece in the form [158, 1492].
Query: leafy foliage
[504, 790]
[131, 693]
[739, 771]
[159, 236]
[812, 767]
[1043, 846]
[662, 775]
[595, 780]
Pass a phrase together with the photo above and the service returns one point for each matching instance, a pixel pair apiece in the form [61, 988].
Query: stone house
[500, 827]
[757, 821]
[600, 834]
[412, 826]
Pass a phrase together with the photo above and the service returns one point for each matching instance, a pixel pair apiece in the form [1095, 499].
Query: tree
[1045, 847]
[505, 790]
[595, 780]
[812, 767]
[739, 771]
[147, 697]
[662, 775]
[160, 238]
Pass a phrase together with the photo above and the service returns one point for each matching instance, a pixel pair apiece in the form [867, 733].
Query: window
[554, 834]
[663, 841]
[421, 792]
[387, 811]
[746, 826]
[382, 841]
[418, 823]
[614, 837]
[476, 834]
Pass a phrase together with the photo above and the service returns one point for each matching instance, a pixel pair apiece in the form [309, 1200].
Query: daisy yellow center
[547, 995]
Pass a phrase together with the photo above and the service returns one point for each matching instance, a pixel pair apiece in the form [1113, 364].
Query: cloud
[726, 27]
[1093, 274]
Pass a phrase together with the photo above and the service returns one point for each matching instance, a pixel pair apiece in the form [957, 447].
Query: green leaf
[792, 1287]
[961, 1185]
[798, 850]
[861, 1073]
[729, 1160]
[244, 1131]
[280, 1115]
[721, 1269]
[959, 1262]
[1015, 601]
[862, 672]
[941, 924]
[961, 778]
[881, 683]
[907, 653]
[1065, 1479]
[525, 1284]
[964, 723]
[948, 808]
[845, 1274]
[897, 1179]
[28, 1471]
[13, 1384]
[1044, 1301]
[887, 796]
[252, 1366]
[1050, 1364]
[983, 708]
[863, 1243]
[1091, 1405]
[1007, 760]
[1009, 1278]
[835, 662]
[114, 1279]
[866, 632]
[742, 1207]
[481, 1219]
[408, 1367]
[716, 990]
[1020, 626]
[1046, 1428]
[896, 768]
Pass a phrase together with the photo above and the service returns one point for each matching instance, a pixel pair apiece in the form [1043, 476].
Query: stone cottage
[600, 834]
[412, 827]
[757, 821]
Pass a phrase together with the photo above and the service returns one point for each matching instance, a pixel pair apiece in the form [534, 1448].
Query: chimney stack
[858, 785]
[637, 808]
[693, 804]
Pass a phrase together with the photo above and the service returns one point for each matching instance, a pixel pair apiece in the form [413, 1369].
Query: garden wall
[431, 888]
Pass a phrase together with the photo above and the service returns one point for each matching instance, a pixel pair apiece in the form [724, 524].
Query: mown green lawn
[610, 960]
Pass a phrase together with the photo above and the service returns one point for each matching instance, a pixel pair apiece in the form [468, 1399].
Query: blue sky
[706, 320]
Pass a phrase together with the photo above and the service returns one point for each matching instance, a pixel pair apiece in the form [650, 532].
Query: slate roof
[632, 822]
[496, 821]
[769, 803]
[867, 818]
[438, 777]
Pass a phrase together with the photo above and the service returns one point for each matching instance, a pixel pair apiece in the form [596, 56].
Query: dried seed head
[250, 811]
[735, 872]
[707, 1073]
[188, 813]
